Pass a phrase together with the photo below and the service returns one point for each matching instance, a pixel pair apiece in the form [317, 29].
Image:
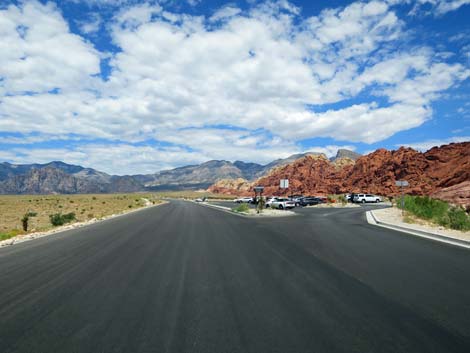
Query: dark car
[309, 201]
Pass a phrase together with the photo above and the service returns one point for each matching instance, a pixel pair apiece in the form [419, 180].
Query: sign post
[259, 202]
[402, 184]
[284, 184]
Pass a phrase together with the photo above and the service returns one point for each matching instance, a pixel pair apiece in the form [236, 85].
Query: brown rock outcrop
[457, 194]
[427, 173]
[237, 186]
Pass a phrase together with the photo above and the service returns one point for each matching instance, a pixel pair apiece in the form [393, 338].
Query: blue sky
[132, 87]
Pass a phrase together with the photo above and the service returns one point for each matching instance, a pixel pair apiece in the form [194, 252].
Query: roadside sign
[284, 184]
[259, 189]
[402, 184]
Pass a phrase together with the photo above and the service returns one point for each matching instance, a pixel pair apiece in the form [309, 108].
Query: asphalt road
[187, 278]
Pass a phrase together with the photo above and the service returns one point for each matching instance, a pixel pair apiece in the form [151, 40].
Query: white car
[244, 200]
[363, 198]
[269, 201]
[282, 203]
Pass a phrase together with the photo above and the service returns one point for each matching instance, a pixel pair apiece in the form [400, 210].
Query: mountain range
[60, 177]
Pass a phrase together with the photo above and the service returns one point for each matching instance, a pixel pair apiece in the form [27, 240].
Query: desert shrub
[91, 215]
[330, 199]
[93, 198]
[130, 206]
[32, 214]
[425, 207]
[10, 234]
[342, 199]
[59, 219]
[244, 208]
[24, 222]
[458, 219]
[437, 211]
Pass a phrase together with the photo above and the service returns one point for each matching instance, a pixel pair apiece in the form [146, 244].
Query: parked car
[363, 198]
[269, 201]
[282, 203]
[244, 200]
[310, 201]
[296, 199]
[199, 200]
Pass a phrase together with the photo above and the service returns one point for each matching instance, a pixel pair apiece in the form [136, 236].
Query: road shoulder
[379, 218]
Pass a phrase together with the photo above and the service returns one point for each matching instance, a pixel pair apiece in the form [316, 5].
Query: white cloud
[438, 7]
[224, 13]
[428, 144]
[92, 25]
[270, 73]
[43, 55]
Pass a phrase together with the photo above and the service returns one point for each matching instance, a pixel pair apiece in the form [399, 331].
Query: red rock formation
[457, 194]
[427, 173]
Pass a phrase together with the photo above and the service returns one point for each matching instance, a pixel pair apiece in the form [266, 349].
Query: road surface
[187, 278]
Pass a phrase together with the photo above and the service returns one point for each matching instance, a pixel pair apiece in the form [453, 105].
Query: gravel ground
[393, 215]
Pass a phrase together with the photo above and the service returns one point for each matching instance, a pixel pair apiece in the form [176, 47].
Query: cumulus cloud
[234, 85]
[428, 144]
[39, 54]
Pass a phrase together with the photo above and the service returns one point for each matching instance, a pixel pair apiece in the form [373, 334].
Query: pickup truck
[363, 198]
[282, 203]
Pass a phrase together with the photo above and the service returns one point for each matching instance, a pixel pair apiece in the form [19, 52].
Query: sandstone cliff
[427, 173]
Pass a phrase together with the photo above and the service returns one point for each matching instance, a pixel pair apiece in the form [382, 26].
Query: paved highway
[187, 278]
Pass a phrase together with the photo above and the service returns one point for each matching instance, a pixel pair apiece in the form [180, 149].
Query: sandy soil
[268, 212]
[30, 236]
[394, 216]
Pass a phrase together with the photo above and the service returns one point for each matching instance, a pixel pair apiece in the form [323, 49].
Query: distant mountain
[201, 175]
[60, 177]
[344, 153]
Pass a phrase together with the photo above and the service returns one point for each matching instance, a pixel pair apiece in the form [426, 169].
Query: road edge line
[373, 220]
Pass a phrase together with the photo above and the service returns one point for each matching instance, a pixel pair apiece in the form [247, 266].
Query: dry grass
[85, 207]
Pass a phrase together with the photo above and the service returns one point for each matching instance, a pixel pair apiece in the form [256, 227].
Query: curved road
[187, 278]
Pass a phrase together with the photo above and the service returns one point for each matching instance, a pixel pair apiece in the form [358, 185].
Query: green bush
[244, 208]
[437, 211]
[59, 219]
[425, 207]
[10, 234]
[458, 219]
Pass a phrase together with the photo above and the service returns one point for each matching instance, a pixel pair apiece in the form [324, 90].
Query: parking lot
[306, 210]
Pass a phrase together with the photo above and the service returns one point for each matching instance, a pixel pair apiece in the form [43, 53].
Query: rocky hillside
[427, 173]
[59, 177]
[205, 174]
